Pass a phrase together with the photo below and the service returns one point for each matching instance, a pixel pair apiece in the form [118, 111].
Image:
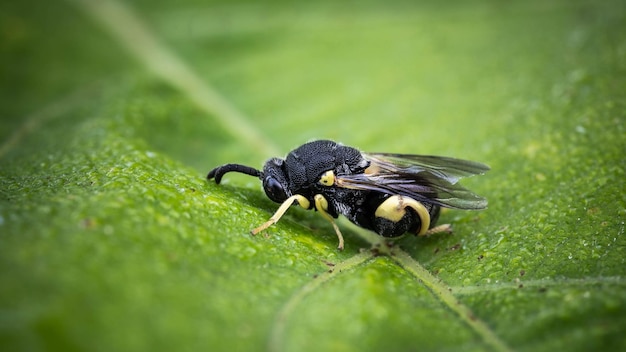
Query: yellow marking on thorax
[328, 178]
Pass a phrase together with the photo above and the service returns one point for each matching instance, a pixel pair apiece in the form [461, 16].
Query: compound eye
[274, 189]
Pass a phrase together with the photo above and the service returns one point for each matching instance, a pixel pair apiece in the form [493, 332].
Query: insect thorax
[308, 162]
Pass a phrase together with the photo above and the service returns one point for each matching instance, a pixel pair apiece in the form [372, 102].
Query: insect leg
[302, 201]
[321, 204]
[393, 209]
[439, 229]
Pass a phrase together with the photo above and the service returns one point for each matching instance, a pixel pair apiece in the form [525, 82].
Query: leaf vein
[540, 283]
[444, 293]
[280, 322]
[135, 36]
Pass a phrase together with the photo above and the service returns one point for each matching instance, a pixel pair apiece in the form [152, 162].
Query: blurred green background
[112, 112]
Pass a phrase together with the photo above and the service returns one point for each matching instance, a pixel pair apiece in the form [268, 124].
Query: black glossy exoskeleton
[390, 194]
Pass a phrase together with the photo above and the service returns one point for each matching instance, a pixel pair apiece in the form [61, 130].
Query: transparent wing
[432, 179]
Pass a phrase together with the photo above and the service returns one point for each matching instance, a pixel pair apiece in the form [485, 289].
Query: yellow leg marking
[393, 209]
[422, 212]
[439, 229]
[321, 204]
[303, 202]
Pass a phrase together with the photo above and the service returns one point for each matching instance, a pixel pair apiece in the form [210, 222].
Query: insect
[390, 194]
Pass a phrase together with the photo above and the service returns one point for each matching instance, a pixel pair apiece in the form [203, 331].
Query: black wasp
[390, 194]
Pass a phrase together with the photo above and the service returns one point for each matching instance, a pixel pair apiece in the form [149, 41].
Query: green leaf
[113, 112]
